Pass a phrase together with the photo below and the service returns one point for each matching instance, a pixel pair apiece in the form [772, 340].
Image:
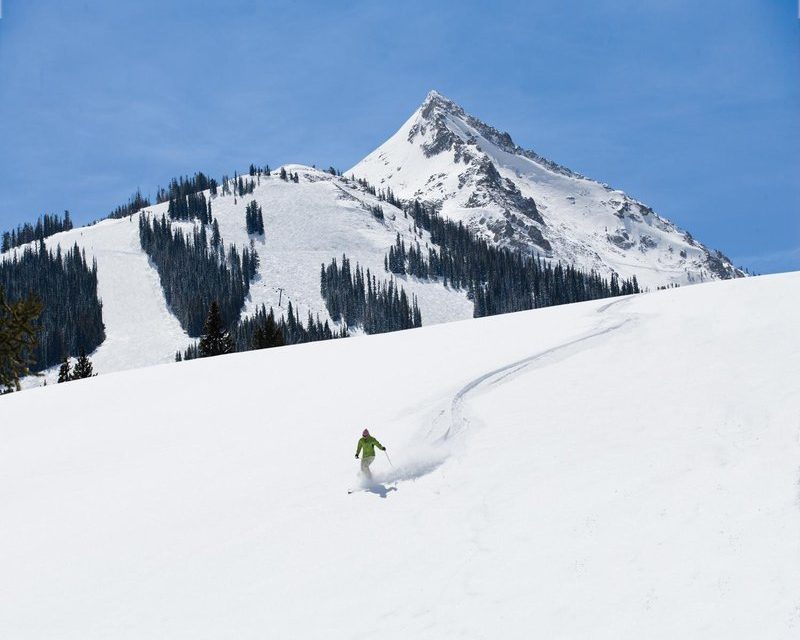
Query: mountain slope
[601, 470]
[306, 224]
[516, 198]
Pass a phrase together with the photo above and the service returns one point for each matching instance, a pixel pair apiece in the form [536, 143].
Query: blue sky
[693, 109]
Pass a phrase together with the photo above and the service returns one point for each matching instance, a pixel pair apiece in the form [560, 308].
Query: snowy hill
[475, 173]
[307, 224]
[613, 469]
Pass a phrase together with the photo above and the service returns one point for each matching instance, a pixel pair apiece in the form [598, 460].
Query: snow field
[614, 469]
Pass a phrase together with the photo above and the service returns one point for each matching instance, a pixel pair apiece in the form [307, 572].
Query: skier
[366, 445]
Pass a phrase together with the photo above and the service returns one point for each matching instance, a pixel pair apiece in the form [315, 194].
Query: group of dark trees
[366, 186]
[289, 177]
[183, 186]
[254, 218]
[45, 226]
[259, 331]
[262, 330]
[256, 171]
[498, 280]
[189, 207]
[71, 318]
[359, 299]
[244, 187]
[241, 186]
[176, 193]
[83, 368]
[135, 203]
[195, 272]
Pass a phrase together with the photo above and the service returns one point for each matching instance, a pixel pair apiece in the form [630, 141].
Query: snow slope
[306, 224]
[614, 469]
[476, 174]
[140, 328]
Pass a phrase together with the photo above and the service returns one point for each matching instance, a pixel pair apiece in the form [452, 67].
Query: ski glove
[356, 456]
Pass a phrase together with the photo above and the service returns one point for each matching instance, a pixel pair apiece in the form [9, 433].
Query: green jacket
[367, 445]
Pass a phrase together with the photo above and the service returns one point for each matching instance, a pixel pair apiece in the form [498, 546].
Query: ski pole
[389, 459]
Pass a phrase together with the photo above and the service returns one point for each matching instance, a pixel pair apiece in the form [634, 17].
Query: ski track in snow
[458, 421]
[424, 460]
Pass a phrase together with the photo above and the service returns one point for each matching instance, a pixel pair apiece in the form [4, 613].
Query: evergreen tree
[268, 334]
[83, 367]
[215, 340]
[18, 337]
[65, 372]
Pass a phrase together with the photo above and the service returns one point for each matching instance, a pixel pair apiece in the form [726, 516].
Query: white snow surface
[442, 155]
[623, 468]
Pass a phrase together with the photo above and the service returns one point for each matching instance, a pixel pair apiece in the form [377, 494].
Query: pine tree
[18, 338]
[83, 367]
[65, 372]
[215, 340]
[269, 334]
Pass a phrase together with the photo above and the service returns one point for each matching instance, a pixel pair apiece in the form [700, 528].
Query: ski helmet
[365, 433]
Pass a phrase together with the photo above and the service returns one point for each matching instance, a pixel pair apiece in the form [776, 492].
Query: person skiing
[366, 446]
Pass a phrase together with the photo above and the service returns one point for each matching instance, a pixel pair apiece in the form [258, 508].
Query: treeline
[359, 299]
[385, 195]
[263, 330]
[183, 186]
[195, 272]
[136, 202]
[259, 171]
[181, 190]
[498, 280]
[259, 331]
[45, 226]
[71, 320]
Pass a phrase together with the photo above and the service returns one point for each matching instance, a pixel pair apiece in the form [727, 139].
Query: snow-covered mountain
[597, 470]
[441, 155]
[514, 197]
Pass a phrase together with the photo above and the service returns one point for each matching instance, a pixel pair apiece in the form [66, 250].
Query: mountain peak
[435, 96]
[513, 197]
[435, 101]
